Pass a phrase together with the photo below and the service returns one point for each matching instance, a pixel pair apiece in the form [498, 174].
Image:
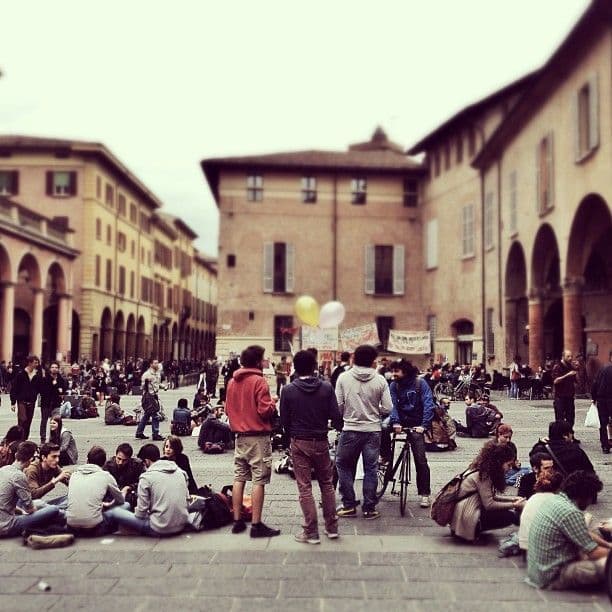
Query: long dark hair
[490, 461]
[56, 435]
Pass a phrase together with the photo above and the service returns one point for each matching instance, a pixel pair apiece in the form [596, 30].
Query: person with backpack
[151, 380]
[481, 506]
[441, 437]
[413, 409]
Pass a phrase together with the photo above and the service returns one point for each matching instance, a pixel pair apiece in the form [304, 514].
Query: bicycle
[388, 471]
[464, 387]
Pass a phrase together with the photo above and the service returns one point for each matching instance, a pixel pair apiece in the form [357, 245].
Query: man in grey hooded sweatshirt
[163, 497]
[364, 400]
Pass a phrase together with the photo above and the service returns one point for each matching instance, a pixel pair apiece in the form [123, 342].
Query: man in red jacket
[250, 409]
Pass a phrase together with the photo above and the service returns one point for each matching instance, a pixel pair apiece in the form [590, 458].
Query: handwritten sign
[321, 339]
[409, 342]
[363, 334]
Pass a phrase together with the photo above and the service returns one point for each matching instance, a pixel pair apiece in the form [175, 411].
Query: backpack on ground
[246, 513]
[213, 448]
[209, 511]
[443, 506]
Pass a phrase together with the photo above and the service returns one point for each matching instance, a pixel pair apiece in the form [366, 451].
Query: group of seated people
[147, 495]
[562, 552]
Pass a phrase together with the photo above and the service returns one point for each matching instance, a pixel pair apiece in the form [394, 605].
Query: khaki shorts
[253, 459]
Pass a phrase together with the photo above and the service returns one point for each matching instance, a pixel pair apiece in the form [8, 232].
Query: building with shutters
[137, 288]
[499, 241]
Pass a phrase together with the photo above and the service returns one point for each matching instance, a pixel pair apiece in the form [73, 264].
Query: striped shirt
[558, 533]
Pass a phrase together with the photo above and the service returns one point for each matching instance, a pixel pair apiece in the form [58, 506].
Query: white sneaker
[424, 503]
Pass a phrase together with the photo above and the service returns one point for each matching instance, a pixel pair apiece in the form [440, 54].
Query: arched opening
[6, 302]
[463, 330]
[119, 336]
[130, 337]
[175, 341]
[55, 288]
[106, 334]
[515, 289]
[75, 344]
[140, 338]
[29, 297]
[155, 348]
[21, 335]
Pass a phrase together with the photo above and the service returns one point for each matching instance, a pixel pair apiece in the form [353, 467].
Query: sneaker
[141, 437]
[158, 438]
[424, 503]
[304, 538]
[347, 512]
[263, 531]
[332, 535]
[239, 526]
[370, 515]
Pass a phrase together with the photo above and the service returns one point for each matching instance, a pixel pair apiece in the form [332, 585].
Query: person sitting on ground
[162, 498]
[181, 419]
[44, 474]
[14, 490]
[485, 401]
[503, 435]
[60, 435]
[114, 414]
[562, 553]
[173, 451]
[482, 507]
[542, 465]
[201, 404]
[480, 419]
[443, 430]
[9, 444]
[88, 514]
[214, 430]
[560, 445]
[125, 468]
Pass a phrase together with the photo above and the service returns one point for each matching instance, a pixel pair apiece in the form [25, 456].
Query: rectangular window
[432, 244]
[278, 266]
[254, 188]
[109, 275]
[109, 195]
[513, 203]
[133, 213]
[145, 223]
[97, 271]
[231, 261]
[489, 215]
[384, 269]
[384, 325]
[309, 189]
[359, 189]
[121, 205]
[109, 235]
[9, 182]
[133, 249]
[61, 183]
[490, 333]
[586, 118]
[432, 326]
[467, 233]
[132, 283]
[544, 170]
[98, 188]
[282, 334]
[121, 288]
[98, 229]
[169, 298]
[411, 192]
[121, 242]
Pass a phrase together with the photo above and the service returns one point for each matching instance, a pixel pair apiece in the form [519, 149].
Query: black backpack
[209, 510]
[149, 402]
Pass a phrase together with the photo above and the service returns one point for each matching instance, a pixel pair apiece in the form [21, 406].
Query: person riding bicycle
[413, 409]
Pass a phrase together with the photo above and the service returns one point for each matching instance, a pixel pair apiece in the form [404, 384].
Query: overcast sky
[166, 84]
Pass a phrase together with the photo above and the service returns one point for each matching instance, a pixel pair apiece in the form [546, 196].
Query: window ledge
[468, 256]
[583, 157]
[543, 213]
[513, 234]
[386, 295]
[489, 248]
[431, 268]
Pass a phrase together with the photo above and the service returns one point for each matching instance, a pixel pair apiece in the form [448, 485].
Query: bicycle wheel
[384, 470]
[443, 389]
[404, 478]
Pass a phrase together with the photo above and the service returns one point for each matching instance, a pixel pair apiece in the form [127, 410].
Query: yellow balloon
[307, 310]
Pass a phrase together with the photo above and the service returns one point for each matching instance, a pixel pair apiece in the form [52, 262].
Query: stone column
[64, 325]
[536, 331]
[7, 317]
[572, 315]
[36, 330]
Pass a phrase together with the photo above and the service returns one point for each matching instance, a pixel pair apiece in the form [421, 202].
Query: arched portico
[515, 291]
[106, 334]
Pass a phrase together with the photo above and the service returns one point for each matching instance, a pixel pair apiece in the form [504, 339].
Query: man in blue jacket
[306, 406]
[413, 408]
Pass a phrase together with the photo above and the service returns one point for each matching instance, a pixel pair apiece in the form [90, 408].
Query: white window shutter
[593, 112]
[268, 267]
[550, 168]
[399, 281]
[369, 269]
[432, 244]
[289, 267]
[539, 202]
[576, 121]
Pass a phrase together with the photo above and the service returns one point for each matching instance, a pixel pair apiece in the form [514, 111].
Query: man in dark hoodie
[363, 400]
[307, 404]
[250, 409]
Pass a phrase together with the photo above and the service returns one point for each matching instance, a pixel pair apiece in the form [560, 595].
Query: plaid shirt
[558, 533]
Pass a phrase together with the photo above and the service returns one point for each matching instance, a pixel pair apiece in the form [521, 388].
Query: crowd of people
[366, 401]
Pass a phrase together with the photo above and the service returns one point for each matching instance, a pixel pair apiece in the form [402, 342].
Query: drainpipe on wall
[482, 268]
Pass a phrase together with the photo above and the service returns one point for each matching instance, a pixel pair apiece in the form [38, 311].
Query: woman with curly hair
[173, 451]
[481, 506]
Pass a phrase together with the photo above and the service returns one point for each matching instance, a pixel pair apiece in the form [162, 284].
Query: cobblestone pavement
[410, 563]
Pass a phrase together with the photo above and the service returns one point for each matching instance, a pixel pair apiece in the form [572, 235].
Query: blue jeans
[107, 526]
[514, 389]
[144, 419]
[43, 517]
[350, 446]
[124, 518]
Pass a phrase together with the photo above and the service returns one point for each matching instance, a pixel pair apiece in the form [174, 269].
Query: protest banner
[321, 339]
[363, 334]
[409, 342]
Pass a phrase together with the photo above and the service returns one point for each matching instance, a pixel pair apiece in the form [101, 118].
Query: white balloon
[331, 314]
